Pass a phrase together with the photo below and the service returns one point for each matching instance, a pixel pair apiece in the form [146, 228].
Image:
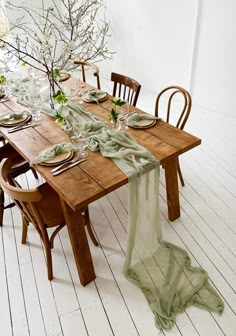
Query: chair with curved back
[40, 206]
[177, 108]
[125, 88]
[20, 166]
[85, 65]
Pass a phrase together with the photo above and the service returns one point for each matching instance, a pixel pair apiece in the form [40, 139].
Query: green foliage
[60, 97]
[3, 80]
[113, 115]
[117, 102]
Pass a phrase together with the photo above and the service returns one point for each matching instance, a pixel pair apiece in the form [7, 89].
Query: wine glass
[35, 101]
[79, 143]
[76, 88]
[124, 113]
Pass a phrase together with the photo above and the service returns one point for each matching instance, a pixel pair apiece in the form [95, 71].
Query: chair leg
[88, 225]
[34, 173]
[180, 173]
[1, 205]
[47, 247]
[49, 262]
[24, 229]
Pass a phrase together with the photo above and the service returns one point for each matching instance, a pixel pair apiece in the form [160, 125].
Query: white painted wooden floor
[31, 305]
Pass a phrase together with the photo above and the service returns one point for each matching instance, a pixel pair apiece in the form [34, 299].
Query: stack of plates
[144, 123]
[101, 97]
[13, 122]
[60, 158]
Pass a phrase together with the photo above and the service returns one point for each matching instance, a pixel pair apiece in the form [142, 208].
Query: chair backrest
[85, 65]
[125, 88]
[25, 199]
[180, 107]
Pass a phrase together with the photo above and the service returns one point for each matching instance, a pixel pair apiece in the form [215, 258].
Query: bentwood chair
[125, 88]
[87, 65]
[41, 207]
[178, 103]
[20, 166]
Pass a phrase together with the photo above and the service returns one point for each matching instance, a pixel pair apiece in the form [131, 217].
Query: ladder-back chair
[125, 88]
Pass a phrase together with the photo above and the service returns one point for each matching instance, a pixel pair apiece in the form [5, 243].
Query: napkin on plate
[51, 152]
[14, 116]
[134, 118]
[95, 94]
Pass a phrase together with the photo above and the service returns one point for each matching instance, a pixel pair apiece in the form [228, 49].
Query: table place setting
[141, 121]
[66, 155]
[13, 118]
[93, 96]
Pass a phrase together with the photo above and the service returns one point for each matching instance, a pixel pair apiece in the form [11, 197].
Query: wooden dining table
[97, 176]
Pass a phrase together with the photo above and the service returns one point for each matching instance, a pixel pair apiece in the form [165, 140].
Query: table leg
[79, 243]
[172, 189]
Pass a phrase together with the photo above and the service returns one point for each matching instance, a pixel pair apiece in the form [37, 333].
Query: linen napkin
[95, 94]
[51, 152]
[134, 118]
[14, 116]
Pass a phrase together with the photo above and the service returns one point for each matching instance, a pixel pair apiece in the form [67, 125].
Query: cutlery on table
[75, 159]
[67, 167]
[21, 125]
[4, 100]
[18, 128]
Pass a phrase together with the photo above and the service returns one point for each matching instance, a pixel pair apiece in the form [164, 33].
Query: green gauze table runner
[161, 270]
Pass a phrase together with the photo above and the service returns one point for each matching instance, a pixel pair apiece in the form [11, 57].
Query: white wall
[214, 85]
[153, 40]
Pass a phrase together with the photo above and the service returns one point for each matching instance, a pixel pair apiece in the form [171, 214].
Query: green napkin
[134, 118]
[14, 116]
[50, 153]
[95, 94]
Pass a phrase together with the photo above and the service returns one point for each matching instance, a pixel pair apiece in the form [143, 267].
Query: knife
[77, 158]
[4, 100]
[67, 167]
[15, 129]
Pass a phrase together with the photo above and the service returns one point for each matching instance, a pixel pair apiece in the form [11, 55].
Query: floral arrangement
[61, 99]
[48, 39]
[114, 114]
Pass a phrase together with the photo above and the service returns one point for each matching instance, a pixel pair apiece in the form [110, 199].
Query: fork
[75, 159]
[68, 167]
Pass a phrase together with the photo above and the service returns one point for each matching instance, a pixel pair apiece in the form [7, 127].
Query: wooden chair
[177, 108]
[41, 207]
[20, 166]
[95, 69]
[125, 88]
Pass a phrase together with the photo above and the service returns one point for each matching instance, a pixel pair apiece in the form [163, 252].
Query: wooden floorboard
[111, 306]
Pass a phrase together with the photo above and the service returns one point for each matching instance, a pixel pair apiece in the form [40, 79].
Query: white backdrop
[153, 40]
[160, 42]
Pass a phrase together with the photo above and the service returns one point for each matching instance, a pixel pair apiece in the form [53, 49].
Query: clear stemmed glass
[76, 88]
[36, 103]
[124, 113]
[79, 143]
